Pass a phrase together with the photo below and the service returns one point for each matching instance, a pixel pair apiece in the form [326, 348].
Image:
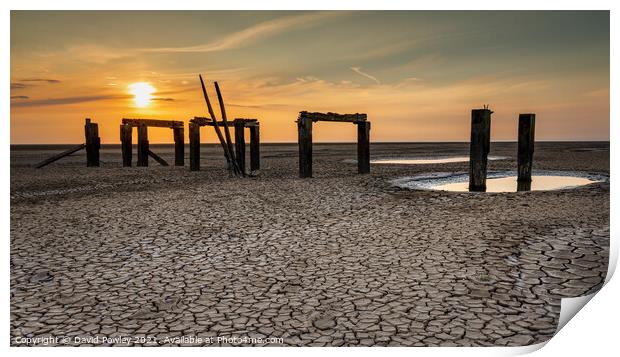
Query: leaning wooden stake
[60, 156]
[480, 145]
[526, 147]
[227, 152]
[227, 130]
[158, 158]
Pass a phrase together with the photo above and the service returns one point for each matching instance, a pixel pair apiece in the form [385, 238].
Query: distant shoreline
[42, 146]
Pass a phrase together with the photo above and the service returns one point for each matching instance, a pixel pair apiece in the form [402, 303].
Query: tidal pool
[509, 184]
[501, 181]
[422, 161]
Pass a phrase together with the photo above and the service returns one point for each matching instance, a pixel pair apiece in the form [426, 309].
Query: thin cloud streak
[67, 100]
[359, 71]
[253, 33]
[41, 80]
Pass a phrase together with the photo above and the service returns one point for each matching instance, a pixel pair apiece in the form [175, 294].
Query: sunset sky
[416, 74]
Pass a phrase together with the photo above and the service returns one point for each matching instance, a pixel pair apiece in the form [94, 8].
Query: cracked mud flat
[337, 260]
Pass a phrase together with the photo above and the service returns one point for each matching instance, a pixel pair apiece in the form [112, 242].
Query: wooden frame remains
[304, 129]
[143, 142]
[239, 124]
[92, 144]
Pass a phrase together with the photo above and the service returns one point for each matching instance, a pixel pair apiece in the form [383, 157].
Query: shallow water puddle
[509, 184]
[421, 161]
[500, 181]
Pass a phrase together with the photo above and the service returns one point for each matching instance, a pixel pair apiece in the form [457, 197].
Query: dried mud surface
[337, 260]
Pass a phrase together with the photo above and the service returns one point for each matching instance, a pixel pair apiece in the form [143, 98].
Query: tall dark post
[304, 128]
[479, 147]
[363, 147]
[526, 147]
[240, 144]
[93, 143]
[126, 144]
[194, 147]
[255, 148]
[143, 146]
[179, 146]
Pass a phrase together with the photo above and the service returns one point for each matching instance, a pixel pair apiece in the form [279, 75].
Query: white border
[593, 330]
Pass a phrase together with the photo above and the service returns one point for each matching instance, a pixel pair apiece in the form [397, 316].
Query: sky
[417, 74]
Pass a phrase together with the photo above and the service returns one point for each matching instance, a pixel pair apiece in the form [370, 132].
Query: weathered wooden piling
[479, 147]
[524, 186]
[143, 146]
[525, 153]
[93, 143]
[179, 146]
[304, 126]
[240, 144]
[304, 138]
[126, 133]
[194, 146]
[363, 147]
[254, 148]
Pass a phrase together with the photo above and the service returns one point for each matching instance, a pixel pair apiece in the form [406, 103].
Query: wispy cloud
[21, 85]
[164, 99]
[16, 85]
[66, 100]
[20, 97]
[359, 71]
[256, 32]
[47, 80]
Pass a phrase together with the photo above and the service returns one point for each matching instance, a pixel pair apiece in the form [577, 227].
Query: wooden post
[126, 144]
[93, 143]
[143, 146]
[526, 147]
[240, 144]
[255, 148]
[363, 147]
[524, 185]
[194, 147]
[179, 146]
[479, 147]
[304, 128]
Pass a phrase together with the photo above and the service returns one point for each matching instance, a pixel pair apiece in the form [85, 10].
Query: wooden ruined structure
[525, 151]
[239, 125]
[479, 147]
[304, 129]
[92, 144]
[143, 142]
[236, 165]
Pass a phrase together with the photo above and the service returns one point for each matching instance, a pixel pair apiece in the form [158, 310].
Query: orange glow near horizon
[417, 79]
[142, 92]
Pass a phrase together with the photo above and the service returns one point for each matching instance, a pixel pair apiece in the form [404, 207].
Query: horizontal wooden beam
[203, 121]
[154, 122]
[347, 118]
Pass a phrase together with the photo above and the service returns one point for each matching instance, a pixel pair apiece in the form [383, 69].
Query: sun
[141, 93]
